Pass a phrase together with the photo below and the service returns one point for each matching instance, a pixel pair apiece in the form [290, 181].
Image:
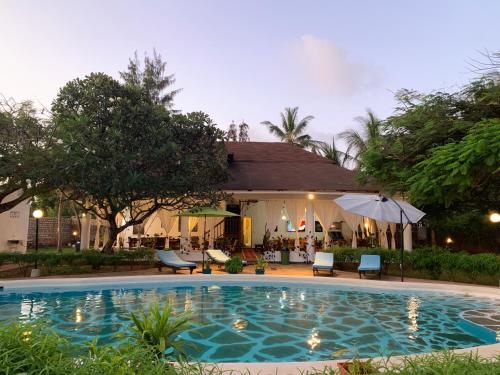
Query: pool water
[252, 322]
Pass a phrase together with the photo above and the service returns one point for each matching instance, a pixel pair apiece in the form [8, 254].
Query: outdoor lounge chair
[219, 257]
[370, 263]
[323, 261]
[168, 258]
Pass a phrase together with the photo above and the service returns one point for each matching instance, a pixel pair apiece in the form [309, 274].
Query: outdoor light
[495, 217]
[83, 215]
[449, 240]
[366, 225]
[311, 196]
[75, 233]
[283, 217]
[37, 214]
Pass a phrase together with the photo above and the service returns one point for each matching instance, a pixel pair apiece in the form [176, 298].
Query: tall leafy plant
[160, 330]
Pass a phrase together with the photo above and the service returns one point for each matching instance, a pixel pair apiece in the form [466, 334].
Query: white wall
[14, 226]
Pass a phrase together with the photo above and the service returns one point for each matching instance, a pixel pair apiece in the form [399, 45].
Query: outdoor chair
[323, 261]
[370, 263]
[219, 257]
[168, 258]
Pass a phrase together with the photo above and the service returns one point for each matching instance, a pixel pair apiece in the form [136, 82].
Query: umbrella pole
[402, 243]
[203, 245]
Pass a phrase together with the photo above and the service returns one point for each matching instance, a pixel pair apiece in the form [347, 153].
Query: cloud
[328, 67]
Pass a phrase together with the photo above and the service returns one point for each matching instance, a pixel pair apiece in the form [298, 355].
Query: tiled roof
[282, 166]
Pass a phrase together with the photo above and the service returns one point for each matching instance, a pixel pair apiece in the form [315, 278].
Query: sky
[248, 60]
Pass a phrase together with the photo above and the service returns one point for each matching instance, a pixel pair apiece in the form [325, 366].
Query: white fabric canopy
[193, 220]
[167, 219]
[382, 227]
[273, 214]
[353, 221]
[97, 234]
[326, 212]
[296, 209]
[392, 227]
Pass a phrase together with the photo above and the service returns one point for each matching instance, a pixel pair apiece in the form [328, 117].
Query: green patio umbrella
[206, 212]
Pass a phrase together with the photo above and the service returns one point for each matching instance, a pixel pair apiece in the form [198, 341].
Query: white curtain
[273, 214]
[97, 234]
[296, 209]
[167, 219]
[327, 212]
[353, 221]
[382, 227]
[192, 223]
[392, 227]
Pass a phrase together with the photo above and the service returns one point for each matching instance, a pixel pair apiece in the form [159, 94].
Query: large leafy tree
[120, 152]
[25, 138]
[151, 76]
[292, 129]
[441, 151]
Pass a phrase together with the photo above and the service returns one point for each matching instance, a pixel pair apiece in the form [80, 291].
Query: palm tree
[291, 130]
[357, 141]
[331, 152]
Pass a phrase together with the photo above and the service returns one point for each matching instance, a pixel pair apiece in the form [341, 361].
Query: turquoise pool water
[252, 322]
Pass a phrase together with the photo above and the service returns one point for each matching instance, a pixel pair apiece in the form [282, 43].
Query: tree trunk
[113, 234]
[59, 222]
[75, 211]
[433, 237]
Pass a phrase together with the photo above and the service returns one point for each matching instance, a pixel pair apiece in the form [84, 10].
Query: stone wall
[47, 232]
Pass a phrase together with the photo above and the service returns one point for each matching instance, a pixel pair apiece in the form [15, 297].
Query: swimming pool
[245, 321]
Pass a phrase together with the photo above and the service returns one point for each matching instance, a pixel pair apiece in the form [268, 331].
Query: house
[14, 226]
[277, 187]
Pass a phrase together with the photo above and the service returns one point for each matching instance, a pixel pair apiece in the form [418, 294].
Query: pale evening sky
[247, 60]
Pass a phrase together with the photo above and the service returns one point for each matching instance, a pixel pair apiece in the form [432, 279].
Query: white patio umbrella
[381, 208]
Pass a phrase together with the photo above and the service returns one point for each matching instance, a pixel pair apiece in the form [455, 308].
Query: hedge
[428, 262]
[95, 259]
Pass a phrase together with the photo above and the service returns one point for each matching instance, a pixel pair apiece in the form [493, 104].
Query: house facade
[281, 192]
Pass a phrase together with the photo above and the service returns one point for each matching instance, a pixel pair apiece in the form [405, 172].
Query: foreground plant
[160, 331]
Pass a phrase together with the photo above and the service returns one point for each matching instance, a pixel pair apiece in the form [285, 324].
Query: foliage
[331, 152]
[49, 260]
[261, 263]
[445, 362]
[441, 149]
[243, 133]
[358, 142]
[291, 129]
[232, 133]
[234, 265]
[34, 349]
[460, 171]
[24, 139]
[159, 330]
[121, 152]
[429, 262]
[151, 78]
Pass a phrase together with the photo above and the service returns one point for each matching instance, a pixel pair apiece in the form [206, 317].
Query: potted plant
[207, 267]
[285, 252]
[260, 266]
[234, 265]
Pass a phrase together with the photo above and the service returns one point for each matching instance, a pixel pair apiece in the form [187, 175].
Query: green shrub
[428, 262]
[234, 265]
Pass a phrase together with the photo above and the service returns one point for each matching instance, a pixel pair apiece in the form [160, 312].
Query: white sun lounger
[323, 261]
